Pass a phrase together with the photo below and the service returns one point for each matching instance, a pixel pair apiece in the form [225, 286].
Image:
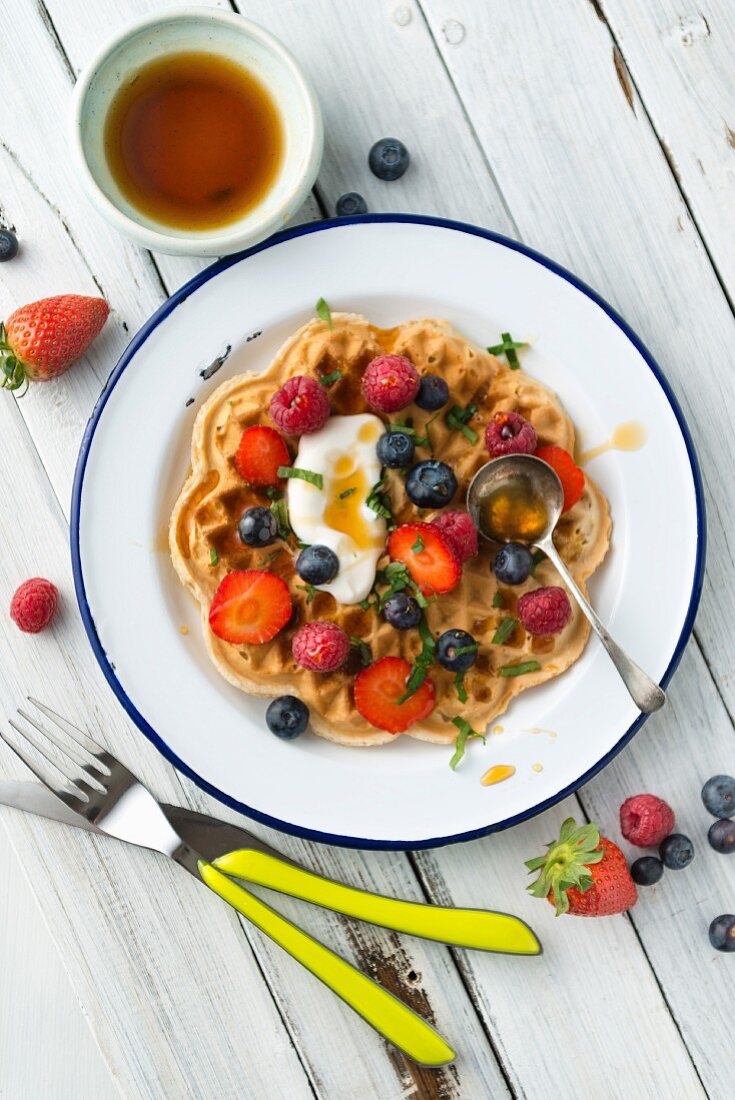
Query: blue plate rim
[127, 356]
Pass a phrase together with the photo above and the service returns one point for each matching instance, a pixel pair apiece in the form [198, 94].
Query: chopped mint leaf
[509, 347]
[265, 562]
[457, 418]
[408, 429]
[273, 494]
[470, 648]
[347, 493]
[504, 631]
[310, 591]
[363, 650]
[303, 475]
[418, 545]
[378, 500]
[330, 379]
[498, 600]
[538, 556]
[460, 688]
[213, 557]
[302, 545]
[323, 312]
[280, 513]
[365, 604]
[521, 669]
[423, 662]
[427, 425]
[465, 731]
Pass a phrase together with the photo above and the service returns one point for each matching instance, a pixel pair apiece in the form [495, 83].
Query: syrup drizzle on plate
[630, 436]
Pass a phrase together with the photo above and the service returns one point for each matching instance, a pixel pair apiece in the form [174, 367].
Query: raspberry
[509, 434]
[390, 382]
[320, 646]
[646, 820]
[34, 605]
[459, 531]
[300, 407]
[545, 610]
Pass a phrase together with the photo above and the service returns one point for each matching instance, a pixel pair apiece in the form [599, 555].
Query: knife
[239, 854]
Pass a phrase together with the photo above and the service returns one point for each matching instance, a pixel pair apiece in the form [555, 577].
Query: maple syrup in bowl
[195, 131]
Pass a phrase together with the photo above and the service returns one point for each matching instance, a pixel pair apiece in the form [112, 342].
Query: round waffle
[206, 515]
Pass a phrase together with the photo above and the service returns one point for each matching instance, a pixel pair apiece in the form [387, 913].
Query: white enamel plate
[135, 456]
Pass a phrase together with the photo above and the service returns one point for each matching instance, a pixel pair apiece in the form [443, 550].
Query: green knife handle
[478, 928]
[376, 1005]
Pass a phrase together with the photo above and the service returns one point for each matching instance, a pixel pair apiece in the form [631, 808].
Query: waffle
[214, 496]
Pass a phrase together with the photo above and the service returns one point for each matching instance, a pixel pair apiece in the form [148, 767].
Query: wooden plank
[586, 181]
[37, 1000]
[346, 1056]
[387, 44]
[681, 62]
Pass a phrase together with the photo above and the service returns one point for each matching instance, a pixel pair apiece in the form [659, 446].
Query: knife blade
[209, 836]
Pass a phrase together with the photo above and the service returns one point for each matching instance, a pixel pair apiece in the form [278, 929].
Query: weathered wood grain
[511, 68]
[37, 999]
[680, 57]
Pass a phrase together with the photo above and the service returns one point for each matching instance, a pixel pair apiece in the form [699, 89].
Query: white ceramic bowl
[239, 40]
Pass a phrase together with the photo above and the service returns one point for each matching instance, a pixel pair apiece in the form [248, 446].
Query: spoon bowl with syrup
[519, 498]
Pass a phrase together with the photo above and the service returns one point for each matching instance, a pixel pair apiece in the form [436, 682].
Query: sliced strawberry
[427, 554]
[379, 687]
[568, 472]
[250, 607]
[261, 452]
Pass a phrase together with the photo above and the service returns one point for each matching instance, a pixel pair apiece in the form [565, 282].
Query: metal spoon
[537, 479]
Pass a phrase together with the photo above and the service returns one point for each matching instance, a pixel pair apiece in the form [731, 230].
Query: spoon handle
[645, 693]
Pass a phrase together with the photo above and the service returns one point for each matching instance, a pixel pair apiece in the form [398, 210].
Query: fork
[102, 790]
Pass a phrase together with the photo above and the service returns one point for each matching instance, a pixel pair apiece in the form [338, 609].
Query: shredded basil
[423, 662]
[498, 600]
[510, 348]
[418, 546]
[213, 557]
[460, 688]
[378, 501]
[363, 650]
[408, 429]
[521, 669]
[302, 475]
[347, 493]
[465, 731]
[323, 312]
[504, 631]
[280, 514]
[537, 556]
[330, 379]
[310, 591]
[457, 418]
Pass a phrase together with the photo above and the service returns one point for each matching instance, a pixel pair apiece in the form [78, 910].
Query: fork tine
[74, 799]
[73, 772]
[68, 746]
[79, 736]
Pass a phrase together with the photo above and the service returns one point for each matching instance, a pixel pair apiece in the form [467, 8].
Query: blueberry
[447, 648]
[395, 449]
[287, 717]
[351, 203]
[430, 484]
[433, 393]
[402, 611]
[722, 932]
[647, 870]
[388, 159]
[317, 565]
[258, 527]
[8, 245]
[718, 795]
[513, 563]
[677, 851]
[721, 836]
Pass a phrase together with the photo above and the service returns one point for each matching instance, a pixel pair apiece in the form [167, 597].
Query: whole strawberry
[583, 873]
[42, 340]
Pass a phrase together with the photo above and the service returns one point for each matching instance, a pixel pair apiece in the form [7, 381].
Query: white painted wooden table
[603, 133]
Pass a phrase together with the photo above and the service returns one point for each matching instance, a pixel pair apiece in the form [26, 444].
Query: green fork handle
[478, 928]
[376, 1005]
